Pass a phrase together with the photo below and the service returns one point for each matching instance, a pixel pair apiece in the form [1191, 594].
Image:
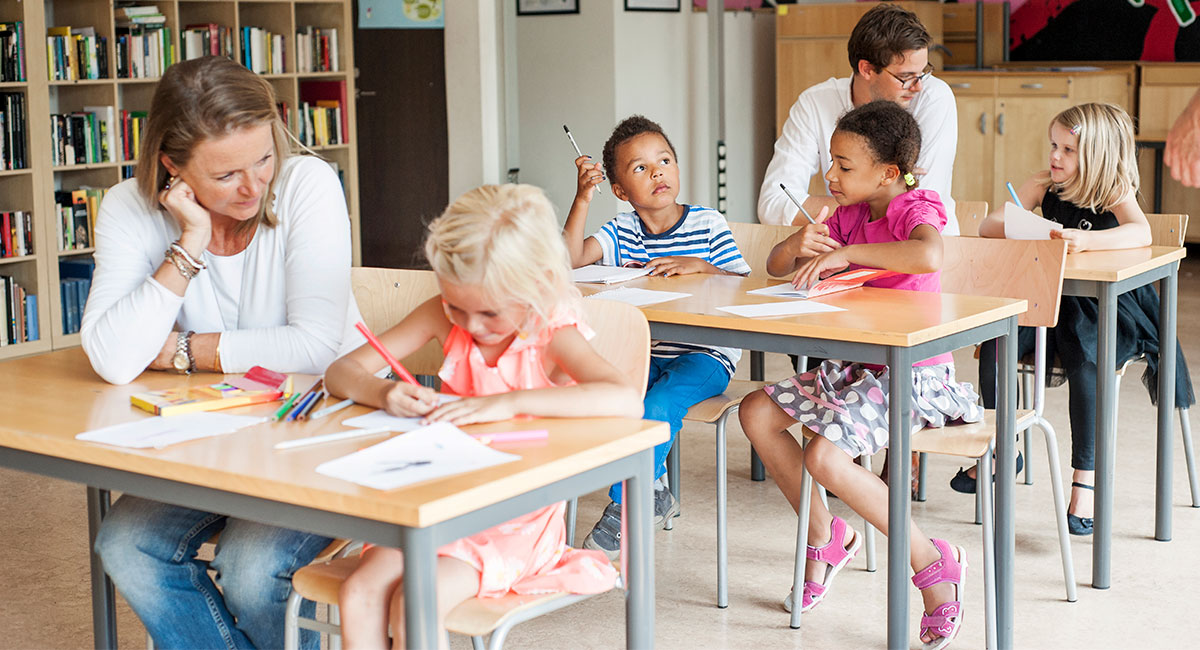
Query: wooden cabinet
[1165, 91]
[1003, 117]
[810, 45]
[32, 189]
[961, 37]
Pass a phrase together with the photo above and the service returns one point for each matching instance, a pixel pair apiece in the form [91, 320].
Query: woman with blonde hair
[224, 252]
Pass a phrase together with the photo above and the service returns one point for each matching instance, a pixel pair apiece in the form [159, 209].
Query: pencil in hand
[578, 152]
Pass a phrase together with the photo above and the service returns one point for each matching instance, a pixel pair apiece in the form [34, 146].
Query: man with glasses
[889, 55]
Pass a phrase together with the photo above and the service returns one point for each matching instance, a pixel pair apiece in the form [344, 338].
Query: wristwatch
[183, 361]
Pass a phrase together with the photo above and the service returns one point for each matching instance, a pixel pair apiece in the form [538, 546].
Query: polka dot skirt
[848, 403]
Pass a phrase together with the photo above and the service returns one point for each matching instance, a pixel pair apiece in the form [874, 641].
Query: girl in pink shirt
[883, 221]
[507, 320]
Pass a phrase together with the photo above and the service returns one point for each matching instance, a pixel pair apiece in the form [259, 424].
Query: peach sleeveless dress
[529, 554]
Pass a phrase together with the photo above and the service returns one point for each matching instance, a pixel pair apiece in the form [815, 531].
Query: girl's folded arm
[920, 253]
[601, 390]
[1134, 231]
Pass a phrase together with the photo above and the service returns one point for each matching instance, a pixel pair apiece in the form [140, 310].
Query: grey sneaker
[606, 534]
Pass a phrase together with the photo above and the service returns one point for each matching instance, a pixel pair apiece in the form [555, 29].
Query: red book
[6, 236]
[333, 90]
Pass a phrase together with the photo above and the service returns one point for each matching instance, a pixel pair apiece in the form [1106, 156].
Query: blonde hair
[201, 99]
[1108, 171]
[506, 240]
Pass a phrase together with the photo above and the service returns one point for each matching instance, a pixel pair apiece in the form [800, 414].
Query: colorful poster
[1118, 30]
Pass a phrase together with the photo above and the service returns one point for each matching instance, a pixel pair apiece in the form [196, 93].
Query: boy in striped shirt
[670, 239]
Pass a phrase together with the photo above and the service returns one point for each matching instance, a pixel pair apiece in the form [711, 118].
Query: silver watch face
[180, 361]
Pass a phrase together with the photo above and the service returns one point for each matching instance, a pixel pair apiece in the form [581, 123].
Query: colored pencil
[400, 370]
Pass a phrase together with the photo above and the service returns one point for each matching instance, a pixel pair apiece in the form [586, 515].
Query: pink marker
[511, 436]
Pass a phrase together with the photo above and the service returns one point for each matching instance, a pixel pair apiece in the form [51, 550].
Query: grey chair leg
[868, 529]
[673, 480]
[335, 618]
[291, 623]
[757, 471]
[572, 513]
[978, 500]
[983, 467]
[921, 477]
[722, 512]
[149, 642]
[806, 487]
[1185, 427]
[499, 635]
[757, 364]
[477, 643]
[1060, 505]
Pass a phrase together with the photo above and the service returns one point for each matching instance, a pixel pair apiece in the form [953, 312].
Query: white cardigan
[295, 313]
[803, 148]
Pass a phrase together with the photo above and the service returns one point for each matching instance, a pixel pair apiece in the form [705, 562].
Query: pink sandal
[836, 555]
[946, 620]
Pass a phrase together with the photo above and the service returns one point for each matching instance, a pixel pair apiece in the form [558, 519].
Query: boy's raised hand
[590, 175]
[406, 400]
[813, 238]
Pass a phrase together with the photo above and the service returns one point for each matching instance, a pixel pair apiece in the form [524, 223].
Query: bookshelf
[129, 87]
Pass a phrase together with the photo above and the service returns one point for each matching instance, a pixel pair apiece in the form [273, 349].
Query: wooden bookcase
[32, 189]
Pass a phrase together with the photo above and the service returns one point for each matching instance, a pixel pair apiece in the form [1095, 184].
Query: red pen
[400, 370]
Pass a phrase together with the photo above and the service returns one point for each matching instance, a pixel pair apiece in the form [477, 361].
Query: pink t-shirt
[852, 224]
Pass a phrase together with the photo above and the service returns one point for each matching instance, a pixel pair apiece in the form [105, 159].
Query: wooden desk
[1104, 275]
[883, 326]
[241, 475]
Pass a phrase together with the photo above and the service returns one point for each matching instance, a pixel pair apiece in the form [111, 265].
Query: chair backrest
[386, 296]
[1167, 229]
[970, 214]
[1008, 268]
[622, 337]
[755, 241]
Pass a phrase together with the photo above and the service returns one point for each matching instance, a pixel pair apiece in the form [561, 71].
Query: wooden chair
[979, 266]
[385, 296]
[970, 214]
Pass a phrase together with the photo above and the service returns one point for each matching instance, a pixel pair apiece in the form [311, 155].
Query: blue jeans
[674, 386]
[149, 550]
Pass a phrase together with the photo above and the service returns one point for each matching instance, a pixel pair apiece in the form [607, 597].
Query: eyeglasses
[908, 82]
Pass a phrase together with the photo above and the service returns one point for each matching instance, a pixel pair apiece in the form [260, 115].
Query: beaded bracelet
[185, 269]
[195, 263]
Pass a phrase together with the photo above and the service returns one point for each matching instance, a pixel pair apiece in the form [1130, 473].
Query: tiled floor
[44, 569]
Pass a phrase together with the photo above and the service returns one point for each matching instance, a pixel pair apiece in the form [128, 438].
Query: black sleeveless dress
[1074, 338]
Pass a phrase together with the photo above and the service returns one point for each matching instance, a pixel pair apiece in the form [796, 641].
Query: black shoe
[1080, 525]
[962, 482]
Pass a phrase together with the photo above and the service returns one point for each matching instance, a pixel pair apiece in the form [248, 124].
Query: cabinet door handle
[1032, 86]
[983, 119]
[961, 85]
[1000, 124]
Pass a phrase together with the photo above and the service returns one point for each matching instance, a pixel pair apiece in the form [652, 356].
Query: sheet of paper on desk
[1020, 223]
[426, 453]
[597, 274]
[639, 297]
[158, 431]
[382, 419]
[774, 309]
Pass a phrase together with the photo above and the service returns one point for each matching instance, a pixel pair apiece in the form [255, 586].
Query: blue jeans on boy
[674, 386]
[149, 550]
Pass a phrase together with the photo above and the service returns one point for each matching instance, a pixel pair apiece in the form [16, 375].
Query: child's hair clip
[1076, 129]
[909, 179]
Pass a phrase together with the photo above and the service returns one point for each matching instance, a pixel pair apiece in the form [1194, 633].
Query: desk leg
[420, 588]
[1006, 442]
[1106, 430]
[1167, 324]
[104, 619]
[639, 603]
[899, 484]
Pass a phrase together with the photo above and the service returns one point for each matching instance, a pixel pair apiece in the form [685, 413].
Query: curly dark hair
[884, 33]
[628, 129]
[892, 134]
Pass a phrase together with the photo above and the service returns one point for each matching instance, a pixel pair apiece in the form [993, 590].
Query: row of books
[74, 53]
[321, 117]
[74, 284]
[143, 51]
[77, 211]
[12, 131]
[18, 313]
[208, 39]
[12, 51]
[262, 51]
[16, 233]
[97, 134]
[317, 50]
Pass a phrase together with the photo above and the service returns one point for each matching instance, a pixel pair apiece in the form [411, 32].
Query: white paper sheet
[381, 418]
[639, 297]
[429, 452]
[772, 309]
[1020, 223]
[594, 273]
[785, 290]
[158, 432]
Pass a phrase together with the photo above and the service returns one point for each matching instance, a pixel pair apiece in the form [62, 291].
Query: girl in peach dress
[507, 320]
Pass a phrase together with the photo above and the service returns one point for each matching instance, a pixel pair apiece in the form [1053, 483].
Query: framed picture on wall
[651, 5]
[539, 7]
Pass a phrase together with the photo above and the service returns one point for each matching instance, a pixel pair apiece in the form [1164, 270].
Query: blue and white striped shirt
[702, 232]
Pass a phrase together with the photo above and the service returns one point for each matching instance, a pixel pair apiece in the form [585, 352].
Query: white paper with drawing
[1020, 223]
[427, 453]
[381, 418]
